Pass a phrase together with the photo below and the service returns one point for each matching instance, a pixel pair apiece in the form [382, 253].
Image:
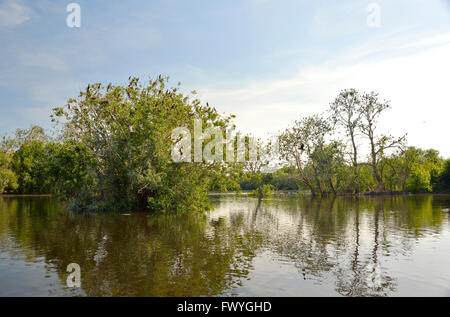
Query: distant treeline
[283, 179]
[421, 177]
[36, 164]
[324, 154]
[112, 151]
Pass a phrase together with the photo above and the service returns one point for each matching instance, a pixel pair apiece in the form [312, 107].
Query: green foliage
[303, 146]
[51, 167]
[366, 179]
[70, 168]
[30, 163]
[419, 179]
[226, 179]
[285, 179]
[328, 161]
[8, 180]
[115, 149]
[263, 191]
[345, 115]
[127, 132]
[327, 165]
[413, 170]
[443, 180]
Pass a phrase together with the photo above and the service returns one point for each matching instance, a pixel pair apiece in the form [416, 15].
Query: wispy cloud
[415, 82]
[13, 13]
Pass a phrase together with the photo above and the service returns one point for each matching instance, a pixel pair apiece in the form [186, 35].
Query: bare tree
[302, 142]
[371, 108]
[345, 113]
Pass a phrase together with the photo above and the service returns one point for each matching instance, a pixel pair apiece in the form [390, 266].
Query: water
[283, 246]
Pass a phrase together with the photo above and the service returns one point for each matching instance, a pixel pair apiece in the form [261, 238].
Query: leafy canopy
[127, 132]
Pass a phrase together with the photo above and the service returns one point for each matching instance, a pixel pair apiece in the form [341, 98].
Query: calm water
[283, 246]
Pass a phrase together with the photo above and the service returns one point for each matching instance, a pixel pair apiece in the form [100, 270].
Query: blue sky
[269, 62]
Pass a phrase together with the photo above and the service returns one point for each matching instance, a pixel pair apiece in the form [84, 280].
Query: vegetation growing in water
[328, 164]
[115, 151]
[127, 132]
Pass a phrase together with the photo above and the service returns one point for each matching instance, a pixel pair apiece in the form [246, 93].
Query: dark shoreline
[280, 192]
[26, 195]
[366, 194]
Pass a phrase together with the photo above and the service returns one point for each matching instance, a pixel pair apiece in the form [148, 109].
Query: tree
[29, 160]
[419, 179]
[255, 166]
[329, 161]
[412, 169]
[285, 179]
[69, 168]
[22, 136]
[435, 165]
[345, 113]
[44, 166]
[8, 180]
[443, 183]
[371, 109]
[303, 142]
[30, 163]
[262, 158]
[127, 132]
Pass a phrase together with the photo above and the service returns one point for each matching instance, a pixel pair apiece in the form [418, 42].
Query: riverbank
[307, 193]
[25, 195]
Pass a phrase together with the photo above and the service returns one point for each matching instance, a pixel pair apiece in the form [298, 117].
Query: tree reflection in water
[347, 239]
[344, 240]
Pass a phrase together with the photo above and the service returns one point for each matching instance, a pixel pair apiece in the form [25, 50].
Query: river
[286, 245]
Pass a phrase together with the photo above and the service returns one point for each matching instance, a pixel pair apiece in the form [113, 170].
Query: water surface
[282, 246]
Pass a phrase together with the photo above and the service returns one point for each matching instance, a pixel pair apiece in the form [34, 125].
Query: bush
[263, 191]
[127, 132]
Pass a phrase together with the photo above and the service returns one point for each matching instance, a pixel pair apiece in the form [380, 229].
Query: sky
[269, 62]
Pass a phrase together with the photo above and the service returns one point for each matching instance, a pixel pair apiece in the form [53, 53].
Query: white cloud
[416, 82]
[13, 13]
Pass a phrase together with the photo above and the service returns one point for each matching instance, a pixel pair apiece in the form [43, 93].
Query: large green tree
[127, 132]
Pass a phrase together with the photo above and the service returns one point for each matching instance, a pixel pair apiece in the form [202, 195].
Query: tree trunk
[355, 163]
[376, 174]
[332, 187]
[311, 187]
